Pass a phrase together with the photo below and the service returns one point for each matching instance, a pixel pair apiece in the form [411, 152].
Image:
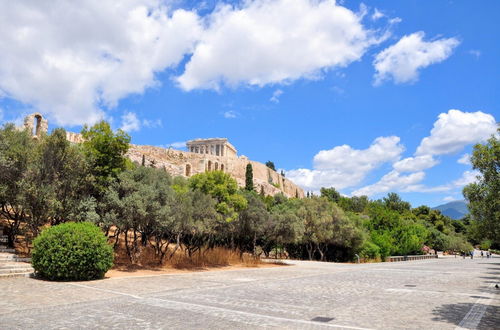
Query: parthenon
[214, 146]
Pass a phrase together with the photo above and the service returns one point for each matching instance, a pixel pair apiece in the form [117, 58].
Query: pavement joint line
[277, 318]
[472, 319]
[441, 292]
[106, 290]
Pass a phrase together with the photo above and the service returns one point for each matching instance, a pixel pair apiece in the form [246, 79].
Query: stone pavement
[445, 293]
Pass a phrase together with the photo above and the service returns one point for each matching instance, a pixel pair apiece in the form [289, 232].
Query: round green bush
[72, 251]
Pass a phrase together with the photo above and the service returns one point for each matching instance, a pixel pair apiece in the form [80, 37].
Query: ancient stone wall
[208, 155]
[186, 164]
[36, 124]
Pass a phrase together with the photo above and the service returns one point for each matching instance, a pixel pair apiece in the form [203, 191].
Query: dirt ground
[150, 271]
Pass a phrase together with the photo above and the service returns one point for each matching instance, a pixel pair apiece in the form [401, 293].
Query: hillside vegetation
[48, 181]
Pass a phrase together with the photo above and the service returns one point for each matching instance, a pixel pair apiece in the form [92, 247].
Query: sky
[367, 97]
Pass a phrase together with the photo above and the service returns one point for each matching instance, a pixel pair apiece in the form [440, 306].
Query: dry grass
[211, 258]
[146, 259]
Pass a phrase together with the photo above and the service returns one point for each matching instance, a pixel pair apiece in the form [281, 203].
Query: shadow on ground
[454, 313]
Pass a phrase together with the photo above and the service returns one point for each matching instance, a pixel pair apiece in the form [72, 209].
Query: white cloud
[382, 150]
[377, 14]
[276, 96]
[415, 164]
[150, 123]
[466, 178]
[403, 60]
[73, 63]
[449, 199]
[177, 145]
[130, 122]
[456, 129]
[344, 166]
[476, 53]
[230, 114]
[395, 20]
[392, 181]
[275, 41]
[465, 159]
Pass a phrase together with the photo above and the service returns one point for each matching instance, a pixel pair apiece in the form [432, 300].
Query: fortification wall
[182, 163]
[186, 164]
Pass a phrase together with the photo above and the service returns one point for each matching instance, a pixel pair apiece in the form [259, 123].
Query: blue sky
[368, 97]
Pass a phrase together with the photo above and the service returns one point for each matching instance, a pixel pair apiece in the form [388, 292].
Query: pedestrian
[472, 254]
[481, 254]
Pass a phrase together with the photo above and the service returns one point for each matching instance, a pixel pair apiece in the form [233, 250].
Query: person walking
[472, 254]
[481, 254]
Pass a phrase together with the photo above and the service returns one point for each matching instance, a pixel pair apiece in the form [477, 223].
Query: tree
[270, 164]
[251, 223]
[483, 196]
[394, 202]
[139, 204]
[223, 189]
[105, 151]
[16, 155]
[249, 178]
[331, 194]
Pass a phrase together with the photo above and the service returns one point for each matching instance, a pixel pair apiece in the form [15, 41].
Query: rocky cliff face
[186, 164]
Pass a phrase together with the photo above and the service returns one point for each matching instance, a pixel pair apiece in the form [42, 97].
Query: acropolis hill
[203, 155]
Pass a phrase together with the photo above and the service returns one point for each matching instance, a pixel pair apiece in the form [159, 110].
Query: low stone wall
[411, 258]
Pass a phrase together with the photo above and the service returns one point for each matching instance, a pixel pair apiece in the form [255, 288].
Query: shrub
[72, 251]
[485, 244]
[369, 250]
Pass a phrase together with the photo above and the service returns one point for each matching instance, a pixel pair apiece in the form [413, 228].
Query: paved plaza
[445, 293]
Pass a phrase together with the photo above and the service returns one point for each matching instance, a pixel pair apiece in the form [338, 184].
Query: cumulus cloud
[456, 129]
[344, 166]
[73, 63]
[130, 122]
[392, 181]
[465, 159]
[275, 41]
[415, 164]
[276, 96]
[403, 60]
[467, 177]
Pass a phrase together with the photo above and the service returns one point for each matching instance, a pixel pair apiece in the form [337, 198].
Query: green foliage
[331, 194]
[72, 251]
[369, 250]
[483, 196]
[249, 178]
[16, 155]
[105, 151]
[394, 202]
[485, 244]
[223, 189]
[270, 164]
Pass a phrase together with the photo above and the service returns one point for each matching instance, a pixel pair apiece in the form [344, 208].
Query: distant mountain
[455, 210]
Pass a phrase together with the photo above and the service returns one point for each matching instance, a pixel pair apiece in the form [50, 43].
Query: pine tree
[249, 177]
[143, 163]
[262, 193]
